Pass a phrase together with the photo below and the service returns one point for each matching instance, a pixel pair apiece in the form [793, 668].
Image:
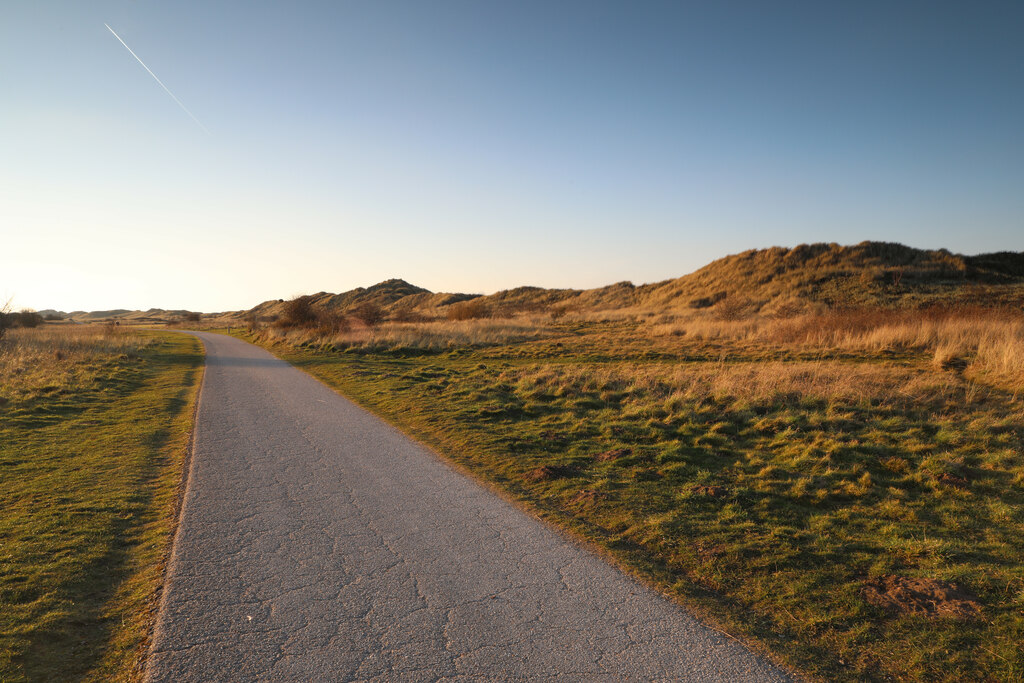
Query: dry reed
[985, 343]
[60, 356]
[435, 335]
[744, 384]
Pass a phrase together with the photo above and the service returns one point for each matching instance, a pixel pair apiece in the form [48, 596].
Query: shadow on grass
[76, 642]
[73, 645]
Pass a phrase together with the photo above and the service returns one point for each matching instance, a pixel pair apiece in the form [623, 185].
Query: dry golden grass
[61, 357]
[775, 281]
[870, 273]
[433, 335]
[987, 344]
[670, 388]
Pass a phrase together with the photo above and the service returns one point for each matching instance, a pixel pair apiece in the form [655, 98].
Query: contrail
[166, 89]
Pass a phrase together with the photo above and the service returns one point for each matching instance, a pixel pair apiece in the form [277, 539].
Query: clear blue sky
[474, 145]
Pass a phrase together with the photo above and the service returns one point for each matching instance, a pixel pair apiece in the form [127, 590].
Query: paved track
[317, 543]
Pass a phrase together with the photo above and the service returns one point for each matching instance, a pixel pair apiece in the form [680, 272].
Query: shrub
[469, 310]
[788, 308]
[332, 322]
[5, 319]
[408, 315]
[370, 314]
[27, 318]
[298, 312]
[734, 308]
[557, 312]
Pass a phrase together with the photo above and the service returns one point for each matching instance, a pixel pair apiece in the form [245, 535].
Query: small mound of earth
[710, 491]
[613, 454]
[588, 496]
[549, 472]
[952, 480]
[928, 597]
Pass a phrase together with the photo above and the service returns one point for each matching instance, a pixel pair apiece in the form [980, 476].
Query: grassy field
[844, 490]
[94, 425]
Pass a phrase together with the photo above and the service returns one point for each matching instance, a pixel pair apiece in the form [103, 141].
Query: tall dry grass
[746, 384]
[61, 356]
[433, 335]
[985, 343]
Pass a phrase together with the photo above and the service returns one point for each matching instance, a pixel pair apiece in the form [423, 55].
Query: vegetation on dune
[776, 281]
[844, 487]
[152, 316]
[94, 422]
[405, 338]
[870, 273]
[982, 344]
[24, 318]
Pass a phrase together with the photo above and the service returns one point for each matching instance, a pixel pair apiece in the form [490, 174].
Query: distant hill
[99, 315]
[869, 273]
[392, 295]
[153, 315]
[866, 274]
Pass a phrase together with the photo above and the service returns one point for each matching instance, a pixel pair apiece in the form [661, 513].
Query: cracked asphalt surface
[318, 543]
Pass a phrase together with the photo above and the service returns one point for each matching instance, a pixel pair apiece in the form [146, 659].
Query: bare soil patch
[585, 496]
[710, 491]
[953, 480]
[613, 454]
[549, 472]
[928, 597]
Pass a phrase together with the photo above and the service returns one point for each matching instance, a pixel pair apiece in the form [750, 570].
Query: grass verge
[94, 426]
[774, 489]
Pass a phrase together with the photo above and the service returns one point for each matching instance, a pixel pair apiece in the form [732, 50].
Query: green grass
[93, 432]
[824, 473]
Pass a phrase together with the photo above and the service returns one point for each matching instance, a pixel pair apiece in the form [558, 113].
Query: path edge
[170, 551]
[702, 616]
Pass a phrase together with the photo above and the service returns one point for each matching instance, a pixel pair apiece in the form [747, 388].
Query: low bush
[469, 310]
[331, 323]
[298, 312]
[734, 308]
[558, 312]
[24, 318]
[369, 314]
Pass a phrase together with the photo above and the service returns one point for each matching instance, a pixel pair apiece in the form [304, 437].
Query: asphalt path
[318, 543]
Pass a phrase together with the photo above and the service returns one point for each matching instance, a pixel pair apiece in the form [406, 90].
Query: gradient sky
[475, 145]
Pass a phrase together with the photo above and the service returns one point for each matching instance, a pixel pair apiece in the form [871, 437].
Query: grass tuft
[94, 423]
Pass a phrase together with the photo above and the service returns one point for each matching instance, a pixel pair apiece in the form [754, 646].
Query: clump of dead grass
[432, 335]
[61, 357]
[928, 597]
[745, 384]
[469, 310]
[985, 343]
